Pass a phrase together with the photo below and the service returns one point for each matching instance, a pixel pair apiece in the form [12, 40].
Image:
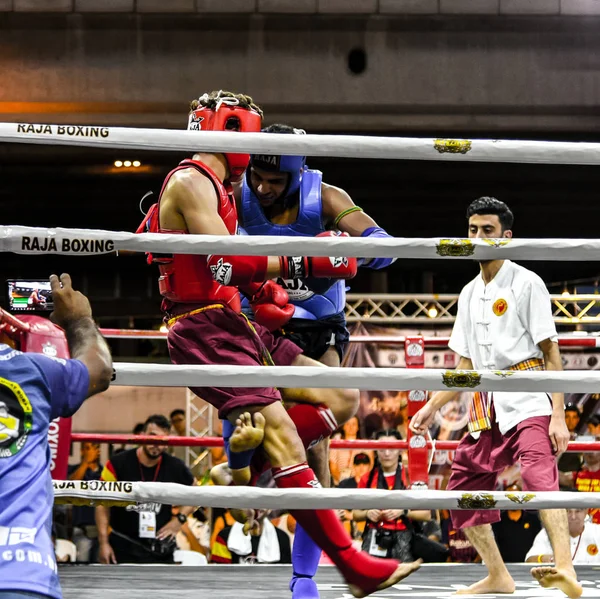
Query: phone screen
[26, 295]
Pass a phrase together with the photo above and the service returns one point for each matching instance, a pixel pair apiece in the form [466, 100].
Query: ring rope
[368, 379]
[255, 497]
[348, 146]
[357, 444]
[78, 242]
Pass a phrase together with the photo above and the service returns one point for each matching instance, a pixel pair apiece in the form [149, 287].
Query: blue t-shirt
[34, 389]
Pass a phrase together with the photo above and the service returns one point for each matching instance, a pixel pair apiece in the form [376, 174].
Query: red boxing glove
[320, 267]
[271, 306]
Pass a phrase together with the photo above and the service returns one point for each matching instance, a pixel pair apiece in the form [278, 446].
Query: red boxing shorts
[218, 335]
[478, 463]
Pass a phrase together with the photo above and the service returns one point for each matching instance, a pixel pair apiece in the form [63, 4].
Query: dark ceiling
[78, 187]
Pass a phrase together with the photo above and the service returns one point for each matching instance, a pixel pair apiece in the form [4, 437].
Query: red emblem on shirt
[500, 306]
[592, 549]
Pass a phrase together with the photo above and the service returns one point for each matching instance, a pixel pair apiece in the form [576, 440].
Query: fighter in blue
[280, 195]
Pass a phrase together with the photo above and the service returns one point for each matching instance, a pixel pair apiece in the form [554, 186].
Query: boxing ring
[223, 582]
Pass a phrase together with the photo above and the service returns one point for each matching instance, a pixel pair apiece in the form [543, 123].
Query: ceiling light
[127, 163]
[118, 163]
[137, 163]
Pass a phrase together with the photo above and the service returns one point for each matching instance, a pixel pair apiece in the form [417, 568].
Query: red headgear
[227, 116]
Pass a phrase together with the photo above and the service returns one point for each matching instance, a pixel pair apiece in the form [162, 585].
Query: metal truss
[427, 308]
[200, 424]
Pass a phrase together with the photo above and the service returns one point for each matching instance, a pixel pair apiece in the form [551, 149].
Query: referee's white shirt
[584, 548]
[500, 324]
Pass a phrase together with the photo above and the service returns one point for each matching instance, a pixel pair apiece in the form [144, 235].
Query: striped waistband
[531, 364]
[173, 320]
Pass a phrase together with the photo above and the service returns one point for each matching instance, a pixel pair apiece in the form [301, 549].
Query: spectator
[36, 389]
[593, 425]
[146, 534]
[178, 422]
[340, 461]
[584, 536]
[387, 532]
[265, 544]
[516, 531]
[570, 462]
[179, 426]
[85, 533]
[587, 478]
[361, 464]
[572, 418]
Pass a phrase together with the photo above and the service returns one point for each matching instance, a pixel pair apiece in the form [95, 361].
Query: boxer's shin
[325, 528]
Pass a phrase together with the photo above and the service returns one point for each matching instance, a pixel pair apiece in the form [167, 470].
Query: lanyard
[576, 548]
[156, 471]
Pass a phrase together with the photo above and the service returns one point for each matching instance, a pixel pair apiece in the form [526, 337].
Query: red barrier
[418, 452]
[335, 444]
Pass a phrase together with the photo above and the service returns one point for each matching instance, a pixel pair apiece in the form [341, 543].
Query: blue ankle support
[236, 461]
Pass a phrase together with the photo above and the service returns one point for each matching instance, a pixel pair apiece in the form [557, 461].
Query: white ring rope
[349, 146]
[273, 498]
[371, 379]
[79, 242]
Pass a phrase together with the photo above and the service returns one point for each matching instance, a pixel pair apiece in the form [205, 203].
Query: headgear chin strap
[227, 116]
[293, 165]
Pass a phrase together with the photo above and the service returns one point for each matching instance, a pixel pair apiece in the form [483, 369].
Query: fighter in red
[202, 308]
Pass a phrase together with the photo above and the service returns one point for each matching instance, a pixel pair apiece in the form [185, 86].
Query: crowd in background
[154, 534]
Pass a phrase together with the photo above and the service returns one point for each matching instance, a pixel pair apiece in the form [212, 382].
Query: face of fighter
[388, 458]
[486, 226]
[153, 452]
[268, 186]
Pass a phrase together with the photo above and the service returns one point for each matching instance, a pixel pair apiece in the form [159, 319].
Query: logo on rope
[16, 418]
[520, 498]
[476, 501]
[497, 243]
[70, 130]
[461, 378]
[500, 307]
[72, 246]
[455, 247]
[417, 395]
[452, 146]
[503, 374]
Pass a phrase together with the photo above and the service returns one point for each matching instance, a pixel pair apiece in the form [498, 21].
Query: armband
[375, 263]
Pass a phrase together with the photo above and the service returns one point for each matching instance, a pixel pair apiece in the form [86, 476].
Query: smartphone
[27, 295]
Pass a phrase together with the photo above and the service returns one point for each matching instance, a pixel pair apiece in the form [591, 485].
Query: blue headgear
[282, 164]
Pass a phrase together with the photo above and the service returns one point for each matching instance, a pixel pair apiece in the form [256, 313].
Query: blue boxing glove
[375, 263]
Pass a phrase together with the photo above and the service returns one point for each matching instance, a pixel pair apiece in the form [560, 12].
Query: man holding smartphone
[35, 389]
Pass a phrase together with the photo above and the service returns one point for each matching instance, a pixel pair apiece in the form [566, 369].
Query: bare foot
[490, 586]
[249, 432]
[565, 580]
[220, 475]
[401, 572]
